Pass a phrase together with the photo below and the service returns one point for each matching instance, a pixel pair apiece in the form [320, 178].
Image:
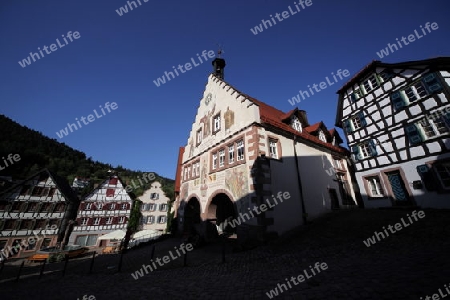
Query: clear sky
[117, 58]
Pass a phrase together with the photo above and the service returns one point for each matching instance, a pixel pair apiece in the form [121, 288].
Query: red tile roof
[272, 116]
[314, 127]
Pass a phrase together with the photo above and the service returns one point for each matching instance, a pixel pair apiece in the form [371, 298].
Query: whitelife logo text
[27, 61]
[90, 118]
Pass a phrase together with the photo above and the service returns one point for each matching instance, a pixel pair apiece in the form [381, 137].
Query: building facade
[35, 214]
[242, 153]
[107, 208]
[154, 208]
[396, 118]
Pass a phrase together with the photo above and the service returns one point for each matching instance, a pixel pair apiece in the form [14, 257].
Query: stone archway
[191, 214]
[221, 208]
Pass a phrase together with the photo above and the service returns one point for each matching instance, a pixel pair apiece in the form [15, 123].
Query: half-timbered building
[242, 155]
[35, 214]
[107, 208]
[396, 119]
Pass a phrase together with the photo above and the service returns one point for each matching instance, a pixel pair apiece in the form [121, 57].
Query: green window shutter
[397, 100]
[427, 177]
[362, 119]
[356, 153]
[373, 148]
[431, 83]
[413, 134]
[347, 126]
[446, 118]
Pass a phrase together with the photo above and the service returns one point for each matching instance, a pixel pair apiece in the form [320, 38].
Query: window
[26, 225]
[415, 91]
[295, 123]
[433, 128]
[46, 207]
[214, 160]
[443, 172]
[386, 75]
[240, 150]
[86, 240]
[97, 221]
[88, 206]
[109, 220]
[16, 206]
[123, 206]
[60, 207]
[84, 221]
[40, 224]
[216, 121]
[231, 154]
[121, 220]
[354, 122]
[163, 207]
[221, 157]
[9, 225]
[150, 219]
[375, 187]
[193, 170]
[32, 207]
[273, 151]
[188, 171]
[152, 207]
[427, 85]
[185, 173]
[162, 219]
[356, 94]
[322, 136]
[426, 128]
[197, 168]
[51, 192]
[37, 191]
[100, 206]
[199, 136]
[371, 83]
[112, 206]
[364, 150]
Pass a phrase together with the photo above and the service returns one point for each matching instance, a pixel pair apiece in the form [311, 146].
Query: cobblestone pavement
[409, 264]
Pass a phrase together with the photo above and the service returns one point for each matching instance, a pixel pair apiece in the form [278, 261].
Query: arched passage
[191, 214]
[221, 208]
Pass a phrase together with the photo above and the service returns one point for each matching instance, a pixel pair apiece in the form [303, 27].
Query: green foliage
[56, 257]
[38, 152]
[135, 216]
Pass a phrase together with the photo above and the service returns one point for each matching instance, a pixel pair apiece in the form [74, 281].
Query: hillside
[38, 151]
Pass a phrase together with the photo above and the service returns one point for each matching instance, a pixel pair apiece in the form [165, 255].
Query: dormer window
[295, 123]
[322, 136]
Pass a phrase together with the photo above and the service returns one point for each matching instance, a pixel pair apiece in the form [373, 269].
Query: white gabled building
[397, 122]
[241, 151]
[107, 208]
[35, 214]
[154, 208]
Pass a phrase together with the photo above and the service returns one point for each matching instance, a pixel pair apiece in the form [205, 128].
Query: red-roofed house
[107, 208]
[243, 154]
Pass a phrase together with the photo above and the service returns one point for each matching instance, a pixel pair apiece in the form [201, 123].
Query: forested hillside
[38, 151]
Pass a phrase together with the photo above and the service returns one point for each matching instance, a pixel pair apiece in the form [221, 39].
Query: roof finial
[220, 50]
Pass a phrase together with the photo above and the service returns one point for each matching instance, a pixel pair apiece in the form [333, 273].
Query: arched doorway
[191, 214]
[221, 208]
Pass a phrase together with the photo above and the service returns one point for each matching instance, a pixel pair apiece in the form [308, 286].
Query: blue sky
[116, 58]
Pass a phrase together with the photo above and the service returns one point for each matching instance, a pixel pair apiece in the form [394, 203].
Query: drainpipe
[299, 182]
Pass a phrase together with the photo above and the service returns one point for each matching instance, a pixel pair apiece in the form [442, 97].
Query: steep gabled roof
[61, 183]
[437, 63]
[274, 117]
